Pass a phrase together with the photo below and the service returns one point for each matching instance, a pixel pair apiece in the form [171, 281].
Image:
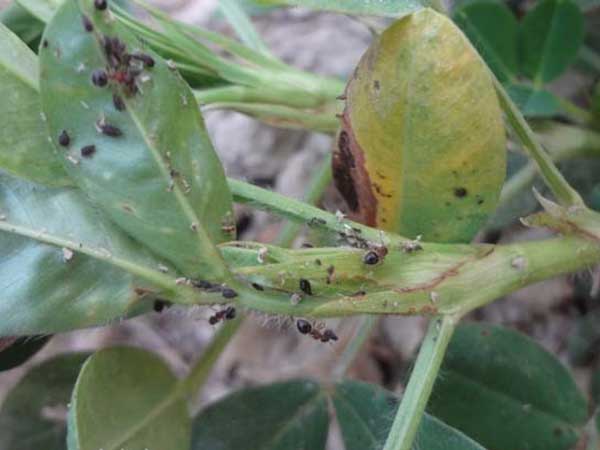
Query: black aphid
[460, 192]
[64, 139]
[100, 4]
[316, 221]
[160, 305]
[146, 59]
[45, 43]
[99, 78]
[304, 326]
[87, 24]
[258, 287]
[108, 130]
[328, 335]
[228, 293]
[88, 151]
[225, 314]
[305, 286]
[118, 102]
[201, 284]
[371, 258]
[230, 313]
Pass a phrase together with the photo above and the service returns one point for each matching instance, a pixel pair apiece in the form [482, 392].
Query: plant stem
[282, 116]
[409, 414]
[363, 331]
[563, 192]
[301, 212]
[316, 186]
[240, 21]
[199, 372]
[563, 142]
[575, 113]
[230, 96]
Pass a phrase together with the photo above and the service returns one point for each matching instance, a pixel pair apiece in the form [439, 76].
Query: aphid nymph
[64, 139]
[88, 151]
[160, 305]
[371, 258]
[107, 129]
[146, 59]
[228, 293]
[87, 24]
[118, 102]
[304, 326]
[99, 78]
[305, 286]
[100, 5]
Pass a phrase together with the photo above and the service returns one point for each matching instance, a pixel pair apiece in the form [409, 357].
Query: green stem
[316, 186]
[282, 116]
[563, 192]
[575, 113]
[301, 212]
[199, 372]
[406, 423]
[242, 25]
[563, 142]
[520, 181]
[249, 94]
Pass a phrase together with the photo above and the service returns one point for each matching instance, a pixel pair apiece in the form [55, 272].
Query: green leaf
[365, 413]
[386, 8]
[18, 350]
[160, 180]
[290, 415]
[534, 102]
[505, 391]
[18, 20]
[42, 9]
[551, 35]
[33, 415]
[494, 31]
[24, 148]
[422, 146]
[64, 265]
[127, 398]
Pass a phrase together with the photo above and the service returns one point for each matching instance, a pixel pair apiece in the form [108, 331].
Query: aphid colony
[122, 69]
[305, 327]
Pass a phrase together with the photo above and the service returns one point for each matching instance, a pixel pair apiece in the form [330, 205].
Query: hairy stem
[431, 354]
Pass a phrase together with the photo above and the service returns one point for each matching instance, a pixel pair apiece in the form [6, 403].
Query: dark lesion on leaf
[460, 192]
[342, 165]
[350, 176]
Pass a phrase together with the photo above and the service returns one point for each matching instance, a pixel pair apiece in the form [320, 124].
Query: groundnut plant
[113, 204]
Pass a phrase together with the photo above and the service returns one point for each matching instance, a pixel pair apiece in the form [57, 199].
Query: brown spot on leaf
[460, 192]
[350, 176]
